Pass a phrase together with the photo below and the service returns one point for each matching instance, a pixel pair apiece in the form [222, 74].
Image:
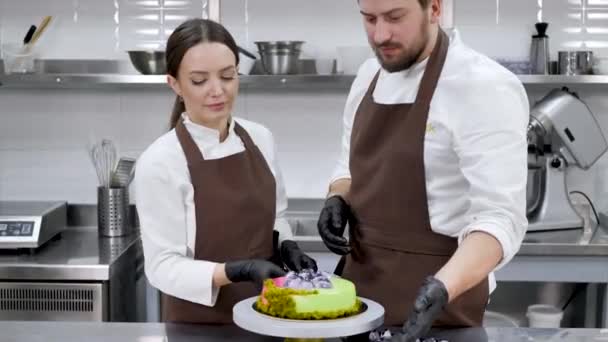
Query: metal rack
[110, 74]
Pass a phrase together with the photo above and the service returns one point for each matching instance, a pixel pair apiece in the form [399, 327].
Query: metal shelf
[311, 82]
[111, 74]
[564, 79]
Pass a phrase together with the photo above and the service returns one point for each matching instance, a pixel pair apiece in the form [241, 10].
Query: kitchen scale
[246, 317]
[27, 224]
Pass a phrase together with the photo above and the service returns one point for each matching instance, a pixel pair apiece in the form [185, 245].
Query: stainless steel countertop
[78, 255]
[158, 332]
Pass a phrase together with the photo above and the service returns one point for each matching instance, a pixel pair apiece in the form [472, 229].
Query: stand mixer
[562, 133]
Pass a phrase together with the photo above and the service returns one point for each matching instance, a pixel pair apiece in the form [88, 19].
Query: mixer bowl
[535, 189]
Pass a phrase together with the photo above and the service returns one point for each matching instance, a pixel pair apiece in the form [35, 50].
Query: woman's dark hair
[188, 34]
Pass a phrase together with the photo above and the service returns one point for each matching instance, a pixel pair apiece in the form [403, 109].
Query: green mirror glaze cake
[309, 295]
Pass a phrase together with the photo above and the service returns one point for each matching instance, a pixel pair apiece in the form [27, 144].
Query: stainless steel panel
[513, 299]
[80, 254]
[54, 302]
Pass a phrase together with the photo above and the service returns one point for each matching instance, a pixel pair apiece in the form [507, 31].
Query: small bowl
[148, 62]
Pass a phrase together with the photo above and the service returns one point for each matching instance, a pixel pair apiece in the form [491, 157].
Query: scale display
[16, 228]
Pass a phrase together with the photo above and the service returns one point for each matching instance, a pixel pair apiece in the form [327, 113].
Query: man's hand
[332, 222]
[432, 297]
[293, 257]
[255, 270]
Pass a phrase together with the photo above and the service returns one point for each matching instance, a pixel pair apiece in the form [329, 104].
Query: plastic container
[18, 58]
[350, 58]
[324, 66]
[600, 66]
[544, 316]
[246, 64]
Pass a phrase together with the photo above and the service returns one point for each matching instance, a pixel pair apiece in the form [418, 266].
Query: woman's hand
[294, 258]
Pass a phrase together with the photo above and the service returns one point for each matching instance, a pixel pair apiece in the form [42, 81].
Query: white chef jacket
[475, 149]
[165, 204]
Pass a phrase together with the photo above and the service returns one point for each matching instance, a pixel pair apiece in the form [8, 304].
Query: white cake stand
[246, 317]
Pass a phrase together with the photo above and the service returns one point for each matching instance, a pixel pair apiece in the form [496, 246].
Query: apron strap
[433, 69]
[191, 150]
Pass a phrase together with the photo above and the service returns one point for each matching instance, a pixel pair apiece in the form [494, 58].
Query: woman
[209, 192]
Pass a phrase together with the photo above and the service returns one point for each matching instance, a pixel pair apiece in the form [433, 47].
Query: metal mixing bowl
[280, 57]
[535, 189]
[148, 62]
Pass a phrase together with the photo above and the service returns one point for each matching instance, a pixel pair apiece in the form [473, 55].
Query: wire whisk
[103, 156]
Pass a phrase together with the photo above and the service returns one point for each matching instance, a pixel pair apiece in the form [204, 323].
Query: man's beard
[408, 57]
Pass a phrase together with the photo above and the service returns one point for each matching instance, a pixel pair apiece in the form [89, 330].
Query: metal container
[148, 62]
[539, 50]
[575, 62]
[534, 188]
[113, 211]
[280, 57]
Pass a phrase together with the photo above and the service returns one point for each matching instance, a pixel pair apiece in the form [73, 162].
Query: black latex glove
[332, 222]
[255, 270]
[293, 257]
[432, 298]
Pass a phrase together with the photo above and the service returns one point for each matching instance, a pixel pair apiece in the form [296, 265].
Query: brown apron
[395, 248]
[235, 203]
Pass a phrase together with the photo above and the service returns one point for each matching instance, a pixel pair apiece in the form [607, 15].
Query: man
[432, 176]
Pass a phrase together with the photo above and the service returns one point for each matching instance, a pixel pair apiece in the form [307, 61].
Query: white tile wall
[97, 29]
[43, 133]
[502, 28]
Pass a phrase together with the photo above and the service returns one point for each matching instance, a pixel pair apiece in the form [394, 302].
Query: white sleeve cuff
[506, 241]
[282, 226]
[190, 280]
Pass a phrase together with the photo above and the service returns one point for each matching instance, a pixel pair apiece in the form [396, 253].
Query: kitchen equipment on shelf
[246, 52]
[575, 62]
[247, 61]
[39, 31]
[28, 224]
[562, 133]
[29, 35]
[123, 174]
[600, 65]
[350, 58]
[17, 59]
[325, 66]
[148, 62]
[280, 57]
[539, 50]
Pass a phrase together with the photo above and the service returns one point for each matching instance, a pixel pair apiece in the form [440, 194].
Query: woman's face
[208, 82]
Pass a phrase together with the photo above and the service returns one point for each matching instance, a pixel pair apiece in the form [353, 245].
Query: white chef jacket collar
[205, 134]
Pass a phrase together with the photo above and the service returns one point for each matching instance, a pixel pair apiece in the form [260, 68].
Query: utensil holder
[113, 211]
